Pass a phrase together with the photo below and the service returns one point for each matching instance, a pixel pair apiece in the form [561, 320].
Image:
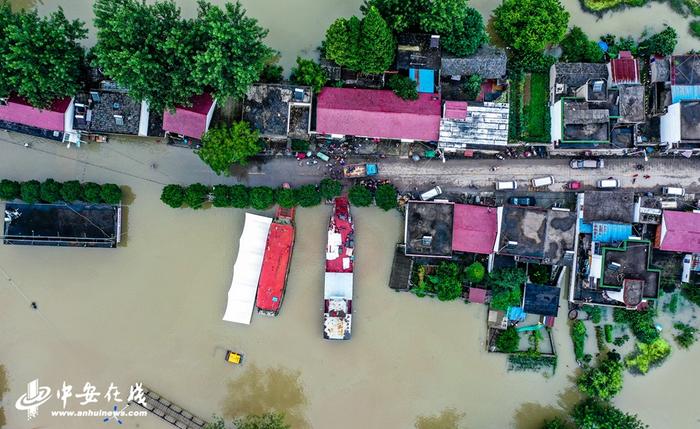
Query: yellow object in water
[234, 358]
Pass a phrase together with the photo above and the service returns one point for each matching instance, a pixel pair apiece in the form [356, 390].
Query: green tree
[223, 146]
[539, 274]
[240, 197]
[330, 188]
[385, 196]
[50, 191]
[662, 43]
[377, 46]
[445, 282]
[472, 87]
[403, 86]
[342, 42]
[195, 195]
[71, 191]
[308, 196]
[221, 196]
[216, 423]
[41, 56]
[530, 25]
[309, 73]
[9, 189]
[475, 272]
[467, 35]
[400, 15]
[286, 197]
[360, 196]
[273, 420]
[91, 192]
[640, 322]
[686, 337]
[556, 423]
[695, 28]
[578, 337]
[173, 196]
[648, 355]
[111, 193]
[577, 48]
[272, 73]
[603, 381]
[508, 341]
[232, 54]
[506, 284]
[596, 414]
[261, 197]
[30, 192]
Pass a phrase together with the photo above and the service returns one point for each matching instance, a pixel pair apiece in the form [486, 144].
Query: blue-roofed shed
[685, 93]
[610, 233]
[424, 78]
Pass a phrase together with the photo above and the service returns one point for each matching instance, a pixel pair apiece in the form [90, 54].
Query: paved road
[153, 161]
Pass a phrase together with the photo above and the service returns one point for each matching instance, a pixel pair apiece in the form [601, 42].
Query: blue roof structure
[425, 79]
[585, 228]
[685, 93]
[609, 233]
[516, 313]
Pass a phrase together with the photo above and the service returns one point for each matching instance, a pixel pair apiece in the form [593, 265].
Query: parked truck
[354, 171]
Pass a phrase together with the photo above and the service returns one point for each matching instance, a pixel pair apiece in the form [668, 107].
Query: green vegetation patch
[602, 5]
[648, 356]
[686, 336]
[536, 108]
[529, 361]
[578, 336]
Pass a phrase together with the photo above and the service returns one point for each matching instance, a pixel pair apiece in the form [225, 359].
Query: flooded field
[298, 26]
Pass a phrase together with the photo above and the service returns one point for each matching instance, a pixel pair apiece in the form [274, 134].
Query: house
[685, 77]
[680, 125]
[419, 55]
[279, 111]
[623, 70]
[377, 114]
[542, 300]
[473, 125]
[488, 63]
[579, 122]
[609, 207]
[475, 229]
[533, 234]
[114, 112]
[428, 228]
[679, 232]
[565, 79]
[190, 121]
[660, 84]
[631, 104]
[625, 276]
[52, 122]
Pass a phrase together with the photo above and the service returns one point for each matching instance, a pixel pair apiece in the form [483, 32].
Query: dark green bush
[221, 196]
[240, 196]
[71, 191]
[308, 196]
[91, 192]
[173, 196]
[330, 188]
[286, 197]
[30, 192]
[475, 272]
[9, 190]
[111, 193]
[594, 312]
[261, 197]
[196, 195]
[50, 191]
[360, 196]
[578, 337]
[508, 341]
[403, 86]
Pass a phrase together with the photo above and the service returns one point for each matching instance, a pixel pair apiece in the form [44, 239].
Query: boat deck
[275, 266]
[170, 412]
[339, 259]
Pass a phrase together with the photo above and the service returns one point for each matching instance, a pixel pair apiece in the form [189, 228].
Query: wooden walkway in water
[171, 413]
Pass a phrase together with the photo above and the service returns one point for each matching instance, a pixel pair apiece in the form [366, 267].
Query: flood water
[298, 26]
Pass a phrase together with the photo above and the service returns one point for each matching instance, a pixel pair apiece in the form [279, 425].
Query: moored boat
[337, 293]
[276, 263]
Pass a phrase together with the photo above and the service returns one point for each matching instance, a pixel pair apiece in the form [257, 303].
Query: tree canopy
[165, 59]
[603, 381]
[41, 56]
[403, 86]
[385, 196]
[662, 43]
[595, 414]
[577, 48]
[223, 146]
[309, 73]
[273, 420]
[528, 26]
[360, 196]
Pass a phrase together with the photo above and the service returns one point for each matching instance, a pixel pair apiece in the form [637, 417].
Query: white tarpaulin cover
[338, 285]
[246, 270]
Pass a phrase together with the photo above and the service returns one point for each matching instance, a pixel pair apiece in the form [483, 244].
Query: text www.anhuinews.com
[98, 413]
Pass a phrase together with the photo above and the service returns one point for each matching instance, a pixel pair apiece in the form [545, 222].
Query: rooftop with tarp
[63, 225]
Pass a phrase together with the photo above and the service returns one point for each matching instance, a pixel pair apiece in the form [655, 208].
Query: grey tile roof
[101, 115]
[488, 62]
[267, 107]
[631, 103]
[415, 51]
[485, 124]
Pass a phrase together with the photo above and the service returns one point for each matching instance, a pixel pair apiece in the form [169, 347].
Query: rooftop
[624, 69]
[630, 261]
[690, 120]
[421, 51]
[575, 75]
[377, 113]
[279, 110]
[632, 103]
[428, 229]
[475, 228]
[660, 68]
[541, 299]
[608, 206]
[488, 62]
[191, 121]
[685, 69]
[679, 232]
[108, 112]
[18, 110]
[400, 269]
[485, 124]
[559, 241]
[582, 121]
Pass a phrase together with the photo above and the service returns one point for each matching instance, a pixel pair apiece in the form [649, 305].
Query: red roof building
[191, 121]
[455, 110]
[475, 229]
[679, 232]
[377, 114]
[477, 295]
[57, 117]
[624, 69]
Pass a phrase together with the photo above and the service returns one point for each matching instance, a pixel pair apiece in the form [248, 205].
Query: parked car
[586, 163]
[574, 185]
[522, 201]
[673, 191]
[539, 182]
[506, 185]
[607, 184]
[431, 193]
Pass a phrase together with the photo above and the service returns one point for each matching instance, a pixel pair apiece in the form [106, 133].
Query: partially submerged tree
[261, 197]
[360, 196]
[173, 196]
[309, 73]
[240, 197]
[9, 190]
[662, 43]
[603, 381]
[286, 197]
[529, 26]
[223, 146]
[195, 195]
[308, 196]
[30, 192]
[330, 188]
[403, 86]
[50, 191]
[508, 341]
[111, 193]
[91, 192]
[385, 196]
[71, 191]
[577, 48]
[596, 414]
[272, 420]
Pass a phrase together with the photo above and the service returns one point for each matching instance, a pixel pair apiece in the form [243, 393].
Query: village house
[190, 122]
[279, 111]
[378, 114]
[114, 112]
[418, 55]
[472, 125]
[679, 232]
[675, 96]
[52, 122]
[489, 63]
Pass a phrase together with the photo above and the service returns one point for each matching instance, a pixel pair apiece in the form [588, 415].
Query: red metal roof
[624, 69]
[20, 111]
[455, 110]
[477, 295]
[189, 121]
[679, 232]
[377, 113]
[275, 266]
[474, 229]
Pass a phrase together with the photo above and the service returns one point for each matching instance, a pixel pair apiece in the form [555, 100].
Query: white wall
[210, 114]
[671, 124]
[555, 113]
[68, 116]
[144, 118]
